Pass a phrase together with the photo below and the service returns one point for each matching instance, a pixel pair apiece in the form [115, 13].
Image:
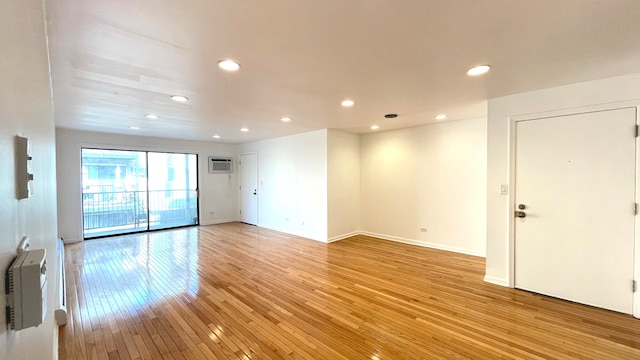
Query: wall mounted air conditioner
[220, 165]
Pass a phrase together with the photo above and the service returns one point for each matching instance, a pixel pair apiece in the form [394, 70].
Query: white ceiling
[115, 61]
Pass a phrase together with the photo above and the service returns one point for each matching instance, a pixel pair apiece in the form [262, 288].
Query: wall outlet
[424, 229]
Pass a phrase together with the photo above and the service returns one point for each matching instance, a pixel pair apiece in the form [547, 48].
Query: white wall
[218, 198]
[292, 181]
[606, 93]
[26, 110]
[343, 184]
[432, 176]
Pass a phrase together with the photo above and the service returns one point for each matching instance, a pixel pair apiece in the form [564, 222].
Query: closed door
[575, 183]
[248, 172]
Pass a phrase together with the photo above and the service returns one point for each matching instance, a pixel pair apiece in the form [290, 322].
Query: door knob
[522, 206]
[520, 214]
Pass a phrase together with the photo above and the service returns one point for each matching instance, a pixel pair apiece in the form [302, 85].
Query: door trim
[124, 147]
[511, 204]
[146, 152]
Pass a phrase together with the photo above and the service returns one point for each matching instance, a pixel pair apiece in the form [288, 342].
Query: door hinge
[637, 131]
[635, 208]
[240, 212]
[634, 286]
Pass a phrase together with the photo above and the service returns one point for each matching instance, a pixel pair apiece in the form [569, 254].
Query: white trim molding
[71, 240]
[343, 236]
[496, 280]
[215, 222]
[425, 244]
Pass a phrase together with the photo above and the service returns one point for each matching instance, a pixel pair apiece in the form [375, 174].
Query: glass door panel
[133, 191]
[173, 190]
[114, 185]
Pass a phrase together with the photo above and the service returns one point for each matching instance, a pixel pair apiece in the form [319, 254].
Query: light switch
[504, 189]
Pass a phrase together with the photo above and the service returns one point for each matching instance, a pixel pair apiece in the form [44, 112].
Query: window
[131, 191]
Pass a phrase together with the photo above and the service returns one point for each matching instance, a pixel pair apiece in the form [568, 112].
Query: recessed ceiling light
[441, 117]
[391, 116]
[375, 127]
[347, 103]
[478, 70]
[244, 129]
[134, 128]
[216, 136]
[179, 98]
[285, 119]
[228, 65]
[151, 116]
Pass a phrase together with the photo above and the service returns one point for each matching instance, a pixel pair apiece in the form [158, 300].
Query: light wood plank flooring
[235, 291]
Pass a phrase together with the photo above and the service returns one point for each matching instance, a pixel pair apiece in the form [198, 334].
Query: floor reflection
[142, 269]
[234, 291]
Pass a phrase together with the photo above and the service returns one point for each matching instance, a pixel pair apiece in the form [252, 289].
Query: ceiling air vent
[220, 165]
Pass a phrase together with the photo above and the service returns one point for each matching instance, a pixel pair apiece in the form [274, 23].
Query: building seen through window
[129, 191]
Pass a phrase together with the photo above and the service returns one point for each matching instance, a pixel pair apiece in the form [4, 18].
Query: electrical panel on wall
[24, 172]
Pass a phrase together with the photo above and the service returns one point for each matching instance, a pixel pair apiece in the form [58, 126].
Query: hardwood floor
[234, 291]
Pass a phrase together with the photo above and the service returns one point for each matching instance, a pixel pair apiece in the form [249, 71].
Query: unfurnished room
[283, 179]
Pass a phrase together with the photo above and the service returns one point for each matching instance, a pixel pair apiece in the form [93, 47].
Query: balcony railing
[113, 212]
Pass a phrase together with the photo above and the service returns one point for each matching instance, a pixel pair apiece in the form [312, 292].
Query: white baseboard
[221, 221]
[425, 244]
[376, 235]
[294, 233]
[56, 335]
[70, 240]
[496, 280]
[343, 236]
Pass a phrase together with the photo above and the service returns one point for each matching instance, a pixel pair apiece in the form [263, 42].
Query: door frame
[257, 185]
[123, 147]
[146, 152]
[511, 200]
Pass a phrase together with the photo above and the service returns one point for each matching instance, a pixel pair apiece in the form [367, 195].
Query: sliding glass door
[132, 191]
[114, 199]
[173, 194]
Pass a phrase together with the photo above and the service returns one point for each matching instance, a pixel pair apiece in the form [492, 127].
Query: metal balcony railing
[106, 212]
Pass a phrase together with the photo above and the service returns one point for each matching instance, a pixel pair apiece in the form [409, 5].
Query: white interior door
[575, 175]
[248, 173]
